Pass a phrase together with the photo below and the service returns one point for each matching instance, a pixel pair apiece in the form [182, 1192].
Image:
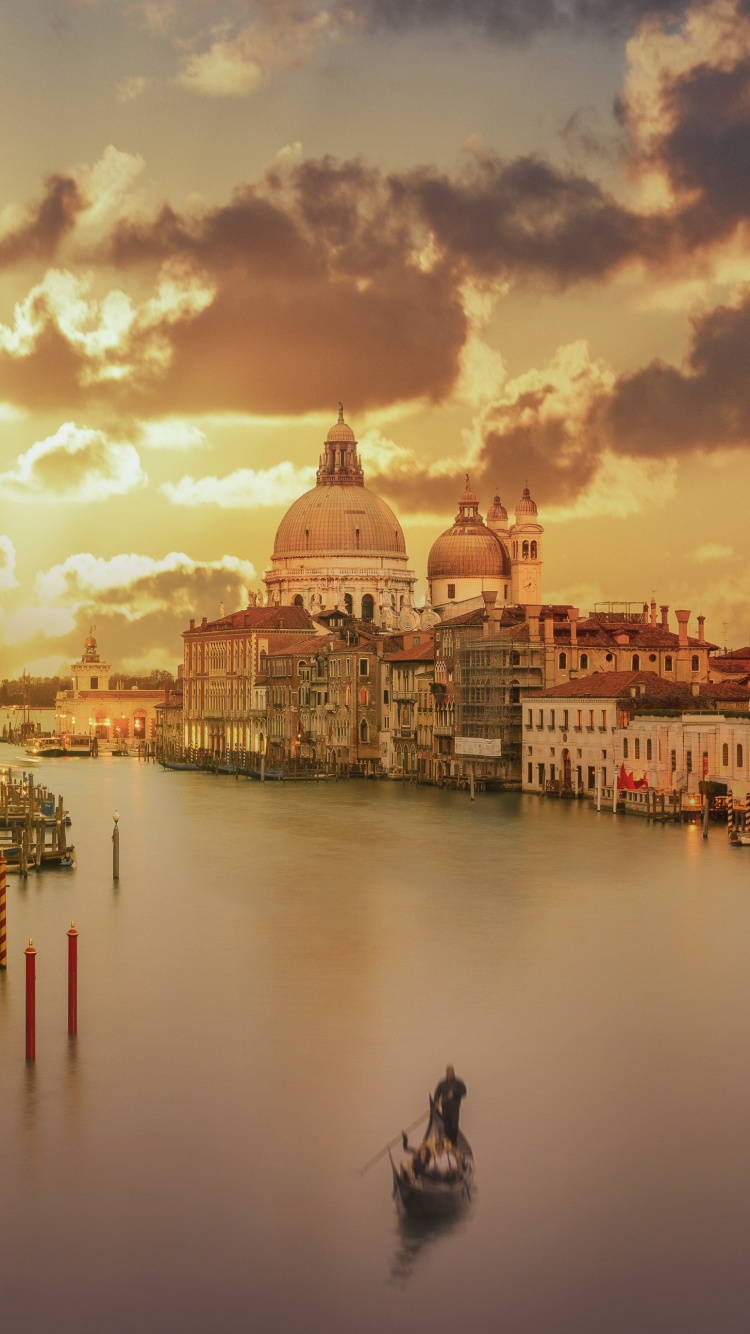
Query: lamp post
[116, 848]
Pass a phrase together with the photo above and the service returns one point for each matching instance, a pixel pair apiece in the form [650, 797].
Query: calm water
[282, 974]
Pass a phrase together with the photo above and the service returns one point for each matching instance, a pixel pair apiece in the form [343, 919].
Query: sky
[510, 235]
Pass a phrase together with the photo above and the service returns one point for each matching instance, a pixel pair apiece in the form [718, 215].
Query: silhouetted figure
[448, 1095]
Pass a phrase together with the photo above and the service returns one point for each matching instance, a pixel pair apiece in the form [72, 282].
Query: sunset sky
[511, 235]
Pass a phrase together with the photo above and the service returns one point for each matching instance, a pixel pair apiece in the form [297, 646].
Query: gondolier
[448, 1095]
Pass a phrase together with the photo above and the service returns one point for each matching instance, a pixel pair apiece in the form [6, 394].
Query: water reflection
[416, 1238]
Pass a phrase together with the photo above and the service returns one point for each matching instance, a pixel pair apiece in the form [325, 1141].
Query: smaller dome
[497, 512]
[526, 504]
[342, 430]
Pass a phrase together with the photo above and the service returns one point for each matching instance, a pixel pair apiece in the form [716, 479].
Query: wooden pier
[32, 825]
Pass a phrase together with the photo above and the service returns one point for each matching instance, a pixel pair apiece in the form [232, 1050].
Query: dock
[32, 825]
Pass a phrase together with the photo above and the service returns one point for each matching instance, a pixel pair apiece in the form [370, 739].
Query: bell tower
[526, 553]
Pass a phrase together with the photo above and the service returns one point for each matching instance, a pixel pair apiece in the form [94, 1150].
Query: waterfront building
[635, 728]
[169, 720]
[473, 557]
[224, 675]
[408, 707]
[341, 546]
[95, 708]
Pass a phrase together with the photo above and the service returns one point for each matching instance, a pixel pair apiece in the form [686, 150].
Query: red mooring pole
[3, 945]
[72, 979]
[30, 1001]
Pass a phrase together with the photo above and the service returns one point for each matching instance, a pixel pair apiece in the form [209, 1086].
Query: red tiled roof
[606, 685]
[308, 644]
[258, 618]
[728, 690]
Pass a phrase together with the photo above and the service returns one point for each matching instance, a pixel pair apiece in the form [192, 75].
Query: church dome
[468, 550]
[341, 520]
[526, 505]
[463, 553]
[497, 512]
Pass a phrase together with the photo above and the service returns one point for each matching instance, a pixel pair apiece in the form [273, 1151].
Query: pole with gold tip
[3, 943]
[30, 953]
[72, 979]
[116, 848]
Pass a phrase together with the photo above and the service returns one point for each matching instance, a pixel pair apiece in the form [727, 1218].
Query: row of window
[563, 718]
[740, 754]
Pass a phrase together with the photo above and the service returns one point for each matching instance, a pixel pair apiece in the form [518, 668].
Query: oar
[392, 1145]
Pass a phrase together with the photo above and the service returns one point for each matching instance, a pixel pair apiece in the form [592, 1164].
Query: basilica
[341, 547]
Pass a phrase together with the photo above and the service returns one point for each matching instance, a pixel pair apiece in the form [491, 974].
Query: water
[281, 976]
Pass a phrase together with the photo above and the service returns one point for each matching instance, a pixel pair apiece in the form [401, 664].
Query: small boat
[268, 776]
[427, 1198]
[738, 840]
[47, 748]
[78, 745]
[177, 764]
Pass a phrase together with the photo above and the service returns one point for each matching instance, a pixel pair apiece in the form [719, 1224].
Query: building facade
[114, 716]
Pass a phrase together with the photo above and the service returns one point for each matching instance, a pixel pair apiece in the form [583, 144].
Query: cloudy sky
[511, 235]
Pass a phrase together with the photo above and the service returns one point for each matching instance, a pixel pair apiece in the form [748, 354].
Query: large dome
[340, 520]
[464, 552]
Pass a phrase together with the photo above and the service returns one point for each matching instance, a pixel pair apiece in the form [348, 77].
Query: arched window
[348, 604]
[562, 661]
[636, 662]
[668, 663]
[695, 663]
[368, 607]
[298, 601]
[625, 748]
[725, 754]
[525, 551]
[739, 757]
[533, 551]
[307, 539]
[363, 696]
[363, 730]
[356, 534]
[584, 661]
[637, 748]
[648, 749]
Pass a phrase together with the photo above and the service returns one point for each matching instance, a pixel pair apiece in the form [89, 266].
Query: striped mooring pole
[3, 943]
[30, 953]
[747, 810]
[730, 810]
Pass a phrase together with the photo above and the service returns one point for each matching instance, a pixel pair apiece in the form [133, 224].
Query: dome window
[584, 661]
[695, 667]
[368, 606]
[451, 592]
[562, 660]
[636, 663]
[668, 663]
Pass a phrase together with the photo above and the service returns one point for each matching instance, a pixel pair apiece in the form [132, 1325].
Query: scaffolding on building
[494, 668]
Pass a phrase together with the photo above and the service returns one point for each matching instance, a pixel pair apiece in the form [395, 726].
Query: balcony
[442, 729]
[404, 696]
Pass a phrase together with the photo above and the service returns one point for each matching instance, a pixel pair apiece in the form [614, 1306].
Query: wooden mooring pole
[116, 848]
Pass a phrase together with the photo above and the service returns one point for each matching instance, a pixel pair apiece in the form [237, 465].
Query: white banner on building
[477, 747]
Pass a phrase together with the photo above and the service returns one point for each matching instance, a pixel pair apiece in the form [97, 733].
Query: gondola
[176, 764]
[425, 1198]
[268, 775]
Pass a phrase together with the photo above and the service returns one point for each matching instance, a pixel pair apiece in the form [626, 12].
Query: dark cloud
[45, 225]
[514, 19]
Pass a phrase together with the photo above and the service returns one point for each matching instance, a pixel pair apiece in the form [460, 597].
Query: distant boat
[269, 775]
[177, 764]
[427, 1198]
[47, 747]
[77, 745]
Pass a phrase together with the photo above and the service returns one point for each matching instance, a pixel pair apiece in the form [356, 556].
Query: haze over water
[266, 999]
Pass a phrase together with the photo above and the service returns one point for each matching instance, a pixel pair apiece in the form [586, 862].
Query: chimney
[490, 598]
[549, 630]
[204, 623]
[192, 625]
[645, 613]
[532, 619]
[682, 624]
[653, 611]
[665, 617]
[573, 614]
[701, 629]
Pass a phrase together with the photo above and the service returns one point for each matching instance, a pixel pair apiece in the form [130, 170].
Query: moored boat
[425, 1196]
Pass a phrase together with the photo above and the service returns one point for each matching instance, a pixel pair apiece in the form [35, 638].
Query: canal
[269, 994]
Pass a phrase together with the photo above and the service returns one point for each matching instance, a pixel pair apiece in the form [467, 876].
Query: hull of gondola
[431, 1199]
[423, 1198]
